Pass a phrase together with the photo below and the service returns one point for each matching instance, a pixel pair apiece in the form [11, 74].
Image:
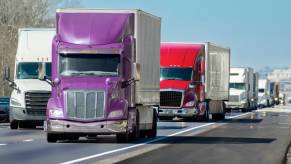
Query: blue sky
[257, 31]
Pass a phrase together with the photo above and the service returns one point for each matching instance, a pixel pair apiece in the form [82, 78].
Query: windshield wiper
[82, 73]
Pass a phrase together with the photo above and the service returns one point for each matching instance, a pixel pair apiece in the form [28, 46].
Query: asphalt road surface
[259, 137]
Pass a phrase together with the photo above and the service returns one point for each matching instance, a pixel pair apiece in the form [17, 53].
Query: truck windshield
[240, 86]
[261, 90]
[29, 70]
[89, 64]
[176, 74]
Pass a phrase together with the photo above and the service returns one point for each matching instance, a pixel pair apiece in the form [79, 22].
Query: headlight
[115, 114]
[15, 102]
[189, 104]
[56, 113]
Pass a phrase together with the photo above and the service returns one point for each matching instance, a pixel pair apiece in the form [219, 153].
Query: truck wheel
[153, 132]
[205, 116]
[122, 137]
[218, 116]
[136, 132]
[51, 138]
[14, 124]
[127, 136]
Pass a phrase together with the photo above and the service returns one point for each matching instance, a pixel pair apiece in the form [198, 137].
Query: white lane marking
[28, 140]
[238, 115]
[3, 144]
[142, 144]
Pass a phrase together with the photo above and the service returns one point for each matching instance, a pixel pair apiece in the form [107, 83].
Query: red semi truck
[194, 80]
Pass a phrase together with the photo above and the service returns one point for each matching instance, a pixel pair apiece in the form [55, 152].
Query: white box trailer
[147, 34]
[256, 89]
[217, 72]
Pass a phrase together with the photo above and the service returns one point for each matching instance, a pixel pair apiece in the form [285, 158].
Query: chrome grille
[85, 105]
[171, 98]
[233, 98]
[36, 103]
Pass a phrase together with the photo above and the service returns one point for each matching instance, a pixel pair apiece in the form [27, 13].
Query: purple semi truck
[105, 75]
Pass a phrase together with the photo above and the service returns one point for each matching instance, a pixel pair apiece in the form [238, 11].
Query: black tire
[244, 110]
[14, 124]
[127, 136]
[220, 116]
[122, 137]
[153, 132]
[205, 116]
[136, 132]
[52, 138]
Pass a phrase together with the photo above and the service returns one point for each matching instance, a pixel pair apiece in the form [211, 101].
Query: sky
[257, 31]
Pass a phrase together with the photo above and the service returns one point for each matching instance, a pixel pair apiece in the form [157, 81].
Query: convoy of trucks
[243, 89]
[98, 74]
[194, 80]
[29, 96]
[105, 77]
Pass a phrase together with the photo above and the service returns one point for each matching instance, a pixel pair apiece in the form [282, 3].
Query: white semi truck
[264, 97]
[30, 95]
[242, 90]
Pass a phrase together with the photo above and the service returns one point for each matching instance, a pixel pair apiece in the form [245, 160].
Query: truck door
[199, 77]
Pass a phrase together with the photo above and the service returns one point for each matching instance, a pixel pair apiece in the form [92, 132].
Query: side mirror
[193, 83]
[6, 73]
[191, 86]
[41, 75]
[136, 71]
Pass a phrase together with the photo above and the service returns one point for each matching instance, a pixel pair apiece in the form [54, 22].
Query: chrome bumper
[105, 127]
[183, 112]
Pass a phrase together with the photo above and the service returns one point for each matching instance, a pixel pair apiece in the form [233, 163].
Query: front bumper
[234, 105]
[104, 127]
[17, 113]
[181, 112]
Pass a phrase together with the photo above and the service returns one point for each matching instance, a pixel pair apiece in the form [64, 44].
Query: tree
[15, 14]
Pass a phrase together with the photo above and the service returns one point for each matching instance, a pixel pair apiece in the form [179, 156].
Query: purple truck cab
[105, 75]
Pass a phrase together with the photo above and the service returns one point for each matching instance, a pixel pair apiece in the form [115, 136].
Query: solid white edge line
[141, 144]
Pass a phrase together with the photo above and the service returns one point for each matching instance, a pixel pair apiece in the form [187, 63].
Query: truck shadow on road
[243, 120]
[164, 127]
[214, 140]
[181, 140]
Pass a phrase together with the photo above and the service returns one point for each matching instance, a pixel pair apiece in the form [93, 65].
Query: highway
[257, 137]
